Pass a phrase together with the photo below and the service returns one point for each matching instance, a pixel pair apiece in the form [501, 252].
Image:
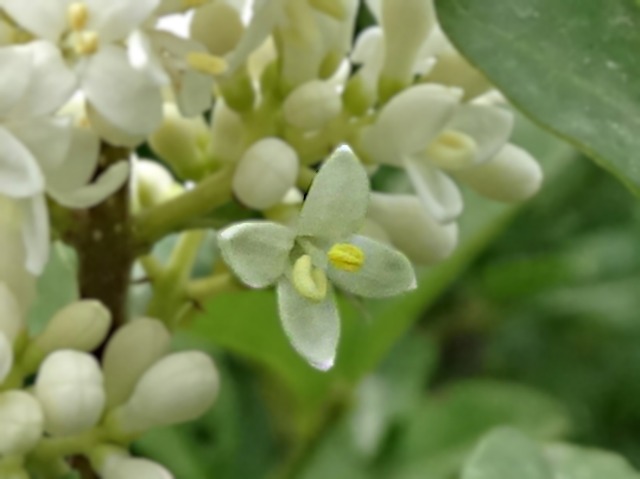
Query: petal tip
[324, 365]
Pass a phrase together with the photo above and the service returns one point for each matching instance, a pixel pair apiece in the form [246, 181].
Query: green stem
[157, 222]
[52, 448]
[200, 290]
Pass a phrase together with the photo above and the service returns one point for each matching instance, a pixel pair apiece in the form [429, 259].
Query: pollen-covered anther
[207, 63]
[452, 150]
[77, 16]
[309, 281]
[346, 256]
[86, 43]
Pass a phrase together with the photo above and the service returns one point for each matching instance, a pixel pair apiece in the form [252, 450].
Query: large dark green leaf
[571, 65]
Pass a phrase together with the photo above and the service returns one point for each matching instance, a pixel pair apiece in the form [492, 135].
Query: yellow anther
[309, 281]
[452, 150]
[86, 43]
[207, 63]
[77, 16]
[347, 257]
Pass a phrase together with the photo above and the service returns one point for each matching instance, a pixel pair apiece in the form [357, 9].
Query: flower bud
[411, 229]
[218, 27]
[227, 133]
[81, 326]
[182, 143]
[312, 105]
[70, 389]
[152, 184]
[6, 357]
[178, 388]
[265, 173]
[130, 352]
[10, 316]
[21, 423]
[121, 466]
[512, 175]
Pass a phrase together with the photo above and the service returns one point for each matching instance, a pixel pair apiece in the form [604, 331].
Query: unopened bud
[152, 184]
[70, 389]
[227, 133]
[265, 173]
[81, 326]
[411, 229]
[218, 27]
[118, 465]
[182, 143]
[312, 105]
[21, 423]
[512, 175]
[178, 388]
[131, 351]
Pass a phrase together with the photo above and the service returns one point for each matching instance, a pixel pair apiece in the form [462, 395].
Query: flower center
[207, 63]
[347, 257]
[452, 150]
[309, 281]
[81, 40]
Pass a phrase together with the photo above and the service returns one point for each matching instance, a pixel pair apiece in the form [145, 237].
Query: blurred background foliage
[532, 325]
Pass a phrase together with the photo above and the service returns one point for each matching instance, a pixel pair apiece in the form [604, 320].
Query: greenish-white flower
[320, 251]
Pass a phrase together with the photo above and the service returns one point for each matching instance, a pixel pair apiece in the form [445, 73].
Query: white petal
[50, 84]
[12, 271]
[409, 122]
[133, 103]
[44, 18]
[115, 19]
[16, 68]
[512, 175]
[257, 251]
[193, 93]
[437, 192]
[368, 47]
[385, 271]
[143, 57]
[35, 232]
[6, 357]
[313, 328]
[11, 317]
[48, 139]
[375, 7]
[411, 229]
[489, 126]
[90, 195]
[20, 174]
[337, 201]
[111, 133]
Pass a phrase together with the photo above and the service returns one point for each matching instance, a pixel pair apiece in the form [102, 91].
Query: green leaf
[570, 65]
[571, 462]
[507, 454]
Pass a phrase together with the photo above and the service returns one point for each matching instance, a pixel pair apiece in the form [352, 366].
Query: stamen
[347, 257]
[309, 281]
[77, 16]
[452, 150]
[207, 63]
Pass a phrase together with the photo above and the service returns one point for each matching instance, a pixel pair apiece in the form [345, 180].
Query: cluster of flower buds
[79, 406]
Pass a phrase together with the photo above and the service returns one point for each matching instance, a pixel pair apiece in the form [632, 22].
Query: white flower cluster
[264, 103]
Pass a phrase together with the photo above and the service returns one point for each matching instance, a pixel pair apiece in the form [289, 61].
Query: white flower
[178, 388]
[88, 33]
[21, 423]
[321, 247]
[264, 174]
[70, 389]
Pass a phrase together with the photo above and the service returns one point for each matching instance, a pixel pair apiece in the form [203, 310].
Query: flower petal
[20, 175]
[437, 192]
[90, 195]
[409, 122]
[385, 271]
[134, 104]
[79, 164]
[337, 201]
[16, 67]
[11, 322]
[313, 328]
[6, 357]
[115, 19]
[411, 229]
[257, 251]
[512, 175]
[44, 18]
[35, 232]
[489, 126]
[111, 133]
[50, 83]
[48, 139]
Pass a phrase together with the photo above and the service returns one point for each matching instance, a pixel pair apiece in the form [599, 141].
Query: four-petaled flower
[321, 251]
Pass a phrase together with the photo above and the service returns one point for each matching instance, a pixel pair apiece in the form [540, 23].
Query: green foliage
[569, 65]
